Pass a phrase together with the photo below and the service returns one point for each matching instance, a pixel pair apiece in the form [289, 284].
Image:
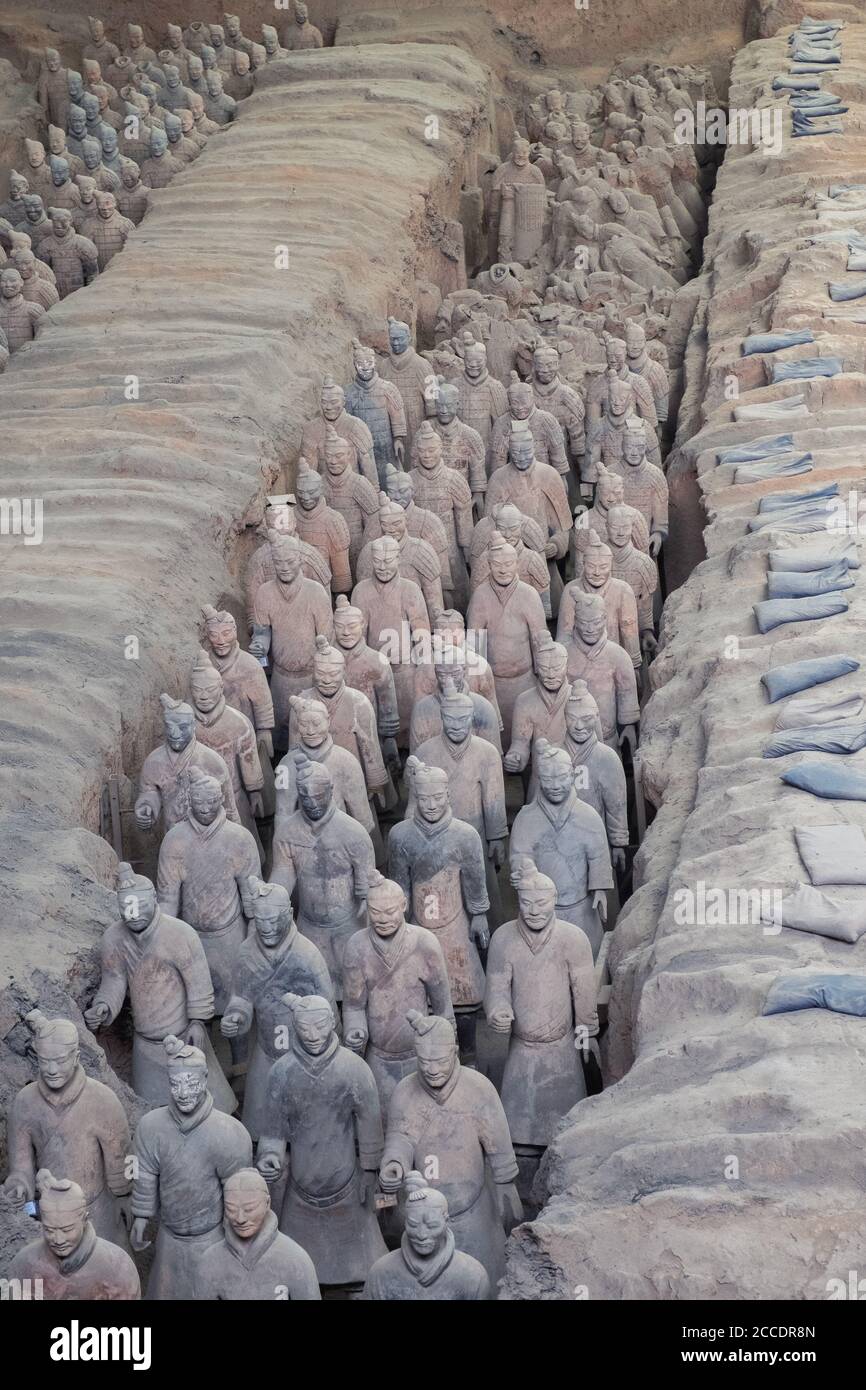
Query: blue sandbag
[834, 781]
[772, 612]
[838, 190]
[803, 675]
[772, 501]
[772, 342]
[792, 523]
[835, 128]
[806, 367]
[816, 556]
[839, 291]
[774, 468]
[783, 83]
[843, 994]
[758, 449]
[827, 738]
[799, 584]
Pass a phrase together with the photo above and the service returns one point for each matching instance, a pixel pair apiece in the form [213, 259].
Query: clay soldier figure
[34, 288]
[607, 669]
[234, 38]
[482, 397]
[599, 779]
[254, 1260]
[566, 840]
[541, 990]
[409, 372]
[379, 405]
[617, 366]
[19, 317]
[555, 396]
[334, 414]
[394, 612]
[417, 560]
[450, 670]
[321, 526]
[388, 968]
[281, 517]
[39, 174]
[639, 362]
[476, 783]
[515, 170]
[161, 962]
[301, 34]
[91, 152]
[271, 41]
[14, 210]
[539, 713]
[544, 428]
[136, 49]
[100, 49]
[511, 614]
[310, 738]
[439, 862]
[296, 610]
[455, 1113]
[424, 525]
[163, 787]
[326, 856]
[238, 83]
[190, 144]
[223, 52]
[70, 1261]
[368, 671]
[204, 862]
[219, 106]
[351, 716]
[178, 49]
[443, 491]
[57, 145]
[322, 1101]
[538, 491]
[620, 603]
[645, 485]
[347, 492]
[64, 193]
[275, 960]
[245, 685]
[509, 523]
[462, 446]
[52, 89]
[37, 225]
[76, 130]
[109, 230]
[449, 630]
[111, 155]
[160, 167]
[609, 492]
[427, 1266]
[185, 1151]
[635, 569]
[77, 1124]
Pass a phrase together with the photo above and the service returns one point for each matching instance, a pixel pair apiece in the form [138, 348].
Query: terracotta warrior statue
[645, 485]
[136, 48]
[19, 317]
[347, 492]
[599, 779]
[538, 491]
[327, 857]
[541, 991]
[616, 354]
[160, 167]
[554, 396]
[281, 516]
[310, 741]
[516, 170]
[275, 960]
[455, 1114]
[204, 862]
[34, 288]
[163, 788]
[449, 630]
[14, 210]
[506, 521]
[445, 492]
[72, 1121]
[450, 670]
[322, 1102]
[439, 862]
[69, 1261]
[379, 405]
[636, 569]
[73, 258]
[63, 192]
[388, 968]
[512, 616]
[52, 89]
[245, 685]
[609, 492]
[482, 398]
[420, 522]
[161, 962]
[37, 225]
[394, 610]
[427, 1265]
[289, 612]
[539, 713]
[351, 715]
[409, 372]
[254, 1260]
[57, 145]
[185, 1150]
[99, 48]
[109, 230]
[302, 34]
[620, 603]
[545, 429]
[368, 671]
[271, 41]
[566, 839]
[608, 670]
[639, 362]
[462, 446]
[350, 428]
[39, 174]
[322, 527]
